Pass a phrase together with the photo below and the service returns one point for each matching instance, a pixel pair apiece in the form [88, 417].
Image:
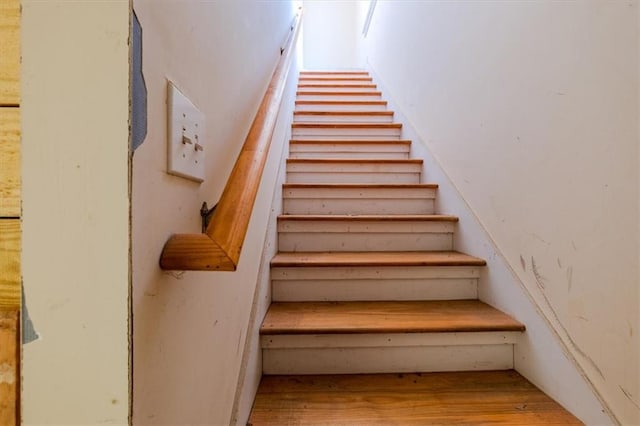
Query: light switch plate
[185, 136]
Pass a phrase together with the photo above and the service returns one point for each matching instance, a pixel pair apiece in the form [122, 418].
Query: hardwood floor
[459, 398]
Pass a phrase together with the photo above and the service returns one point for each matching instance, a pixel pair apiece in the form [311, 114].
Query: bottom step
[490, 397]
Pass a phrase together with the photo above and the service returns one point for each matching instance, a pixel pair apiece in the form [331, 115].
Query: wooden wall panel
[9, 52]
[9, 368]
[10, 237]
[10, 264]
[9, 162]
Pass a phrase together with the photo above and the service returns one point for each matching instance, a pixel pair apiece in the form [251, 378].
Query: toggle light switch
[185, 136]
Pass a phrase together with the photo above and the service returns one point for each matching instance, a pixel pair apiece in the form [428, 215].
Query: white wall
[532, 110]
[331, 34]
[190, 327]
[75, 171]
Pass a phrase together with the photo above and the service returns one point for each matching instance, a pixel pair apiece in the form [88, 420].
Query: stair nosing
[357, 160]
[338, 85]
[350, 141]
[339, 125]
[318, 93]
[346, 112]
[400, 258]
[311, 72]
[362, 185]
[368, 218]
[353, 102]
[354, 78]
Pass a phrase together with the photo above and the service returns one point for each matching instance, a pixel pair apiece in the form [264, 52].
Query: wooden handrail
[219, 248]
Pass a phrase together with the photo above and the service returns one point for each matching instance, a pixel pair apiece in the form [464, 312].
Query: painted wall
[540, 355]
[532, 110]
[75, 173]
[190, 327]
[331, 34]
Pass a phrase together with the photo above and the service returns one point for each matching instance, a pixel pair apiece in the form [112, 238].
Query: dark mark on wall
[523, 263]
[572, 342]
[630, 328]
[540, 239]
[569, 277]
[559, 263]
[574, 245]
[540, 279]
[629, 396]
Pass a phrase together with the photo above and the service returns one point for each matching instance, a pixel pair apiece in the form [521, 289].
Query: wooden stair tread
[300, 125]
[373, 113]
[334, 72]
[315, 92]
[329, 78]
[360, 185]
[439, 316]
[389, 258]
[355, 160]
[349, 141]
[299, 102]
[370, 218]
[337, 85]
[475, 397]
[334, 78]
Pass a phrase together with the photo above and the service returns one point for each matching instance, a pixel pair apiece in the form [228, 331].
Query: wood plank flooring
[459, 398]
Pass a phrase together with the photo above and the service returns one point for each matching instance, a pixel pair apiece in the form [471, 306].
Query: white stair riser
[359, 206]
[340, 107]
[318, 133]
[333, 89]
[346, 118]
[359, 201]
[334, 74]
[387, 360]
[374, 289]
[388, 340]
[323, 97]
[374, 283]
[352, 177]
[391, 150]
[350, 241]
[373, 272]
[364, 236]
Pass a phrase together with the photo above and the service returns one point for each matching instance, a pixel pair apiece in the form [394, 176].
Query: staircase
[375, 317]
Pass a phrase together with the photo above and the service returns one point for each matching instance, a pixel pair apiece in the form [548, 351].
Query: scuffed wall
[189, 327]
[532, 110]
